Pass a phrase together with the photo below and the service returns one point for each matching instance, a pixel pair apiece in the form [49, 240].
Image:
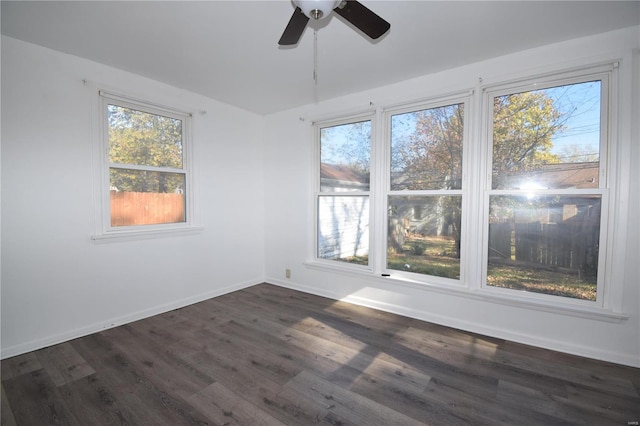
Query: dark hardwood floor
[272, 356]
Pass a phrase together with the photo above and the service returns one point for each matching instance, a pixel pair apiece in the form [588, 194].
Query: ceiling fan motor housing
[352, 11]
[317, 9]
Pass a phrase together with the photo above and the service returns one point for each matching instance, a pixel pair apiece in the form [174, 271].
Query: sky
[583, 125]
[579, 102]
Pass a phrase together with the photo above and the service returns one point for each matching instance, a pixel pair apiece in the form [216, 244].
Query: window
[546, 198]
[342, 193]
[146, 174]
[424, 207]
[508, 201]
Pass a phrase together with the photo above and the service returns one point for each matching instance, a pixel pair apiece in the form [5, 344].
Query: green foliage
[435, 259]
[138, 138]
[418, 248]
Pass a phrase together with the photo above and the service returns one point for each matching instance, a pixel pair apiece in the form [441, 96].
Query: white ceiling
[228, 50]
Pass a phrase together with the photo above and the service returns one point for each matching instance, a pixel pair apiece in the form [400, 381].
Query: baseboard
[118, 321]
[588, 352]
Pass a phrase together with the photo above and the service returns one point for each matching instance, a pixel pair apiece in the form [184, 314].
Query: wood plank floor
[272, 356]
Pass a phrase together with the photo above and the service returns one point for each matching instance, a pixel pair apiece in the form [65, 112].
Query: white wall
[57, 283]
[289, 201]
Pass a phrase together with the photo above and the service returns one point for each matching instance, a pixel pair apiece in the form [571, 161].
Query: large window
[501, 191]
[146, 172]
[546, 196]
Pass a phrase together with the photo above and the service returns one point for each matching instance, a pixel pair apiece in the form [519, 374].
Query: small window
[546, 198]
[342, 198]
[146, 163]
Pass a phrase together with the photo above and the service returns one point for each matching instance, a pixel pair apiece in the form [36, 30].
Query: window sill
[132, 235]
[588, 312]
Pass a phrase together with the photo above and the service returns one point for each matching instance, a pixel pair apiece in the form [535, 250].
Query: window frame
[608, 98]
[104, 230]
[613, 168]
[464, 98]
[317, 127]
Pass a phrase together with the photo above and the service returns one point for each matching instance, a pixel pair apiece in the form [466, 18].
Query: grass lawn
[436, 256]
[539, 280]
[427, 255]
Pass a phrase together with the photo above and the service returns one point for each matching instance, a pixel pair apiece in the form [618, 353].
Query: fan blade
[363, 19]
[295, 28]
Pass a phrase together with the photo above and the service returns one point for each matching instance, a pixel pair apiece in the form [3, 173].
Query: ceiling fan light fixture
[317, 9]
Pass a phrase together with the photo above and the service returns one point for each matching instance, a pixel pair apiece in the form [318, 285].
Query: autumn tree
[431, 157]
[523, 127]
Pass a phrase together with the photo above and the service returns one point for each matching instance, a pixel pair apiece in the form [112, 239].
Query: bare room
[320, 212]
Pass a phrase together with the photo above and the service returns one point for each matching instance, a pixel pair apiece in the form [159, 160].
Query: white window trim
[104, 232]
[367, 115]
[614, 161]
[606, 74]
[464, 98]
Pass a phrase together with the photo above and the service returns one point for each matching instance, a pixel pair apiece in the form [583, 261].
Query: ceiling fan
[353, 11]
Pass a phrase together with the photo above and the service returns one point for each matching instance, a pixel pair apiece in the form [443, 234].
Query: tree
[347, 145]
[523, 127]
[579, 154]
[144, 139]
[431, 157]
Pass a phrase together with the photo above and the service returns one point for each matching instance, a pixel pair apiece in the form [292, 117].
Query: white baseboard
[115, 322]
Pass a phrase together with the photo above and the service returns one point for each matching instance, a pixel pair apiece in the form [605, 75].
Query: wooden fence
[563, 245]
[146, 208]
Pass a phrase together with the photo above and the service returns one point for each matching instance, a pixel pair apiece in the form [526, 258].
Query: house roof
[563, 175]
[341, 173]
[553, 176]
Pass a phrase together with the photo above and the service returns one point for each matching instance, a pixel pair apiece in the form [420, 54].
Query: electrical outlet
[287, 273]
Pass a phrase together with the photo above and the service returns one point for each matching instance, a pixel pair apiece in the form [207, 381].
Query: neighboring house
[337, 178]
[339, 236]
[563, 232]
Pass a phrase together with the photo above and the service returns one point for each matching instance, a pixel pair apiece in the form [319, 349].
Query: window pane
[424, 235]
[345, 153]
[144, 139]
[426, 149]
[547, 139]
[140, 197]
[343, 228]
[546, 244]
